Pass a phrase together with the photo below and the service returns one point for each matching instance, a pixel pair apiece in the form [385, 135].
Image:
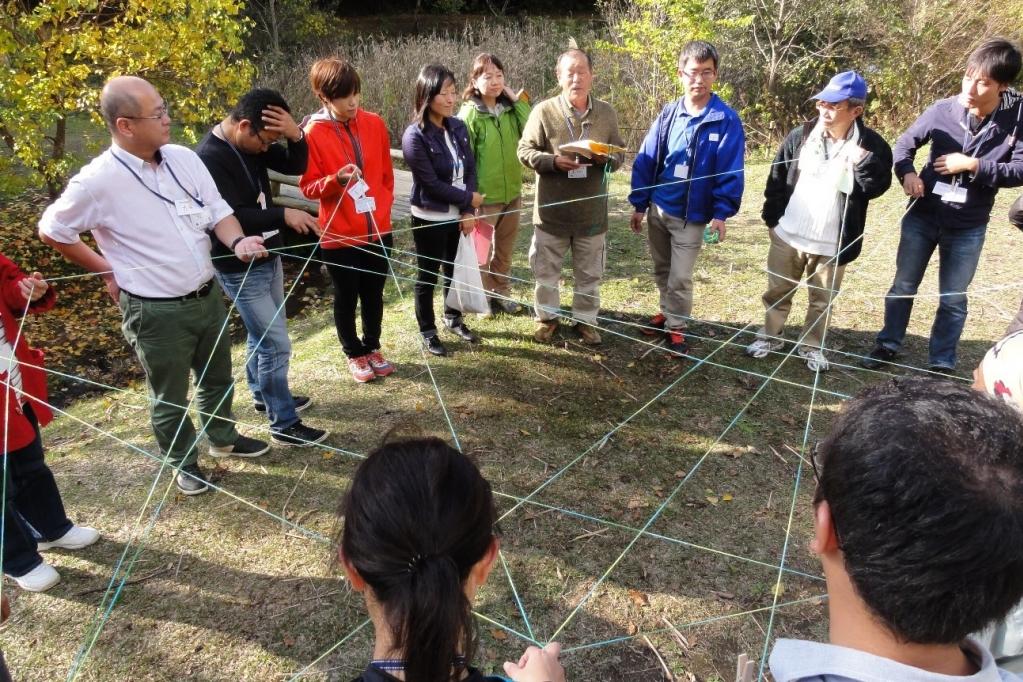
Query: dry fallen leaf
[639, 598]
[713, 499]
[499, 634]
[727, 497]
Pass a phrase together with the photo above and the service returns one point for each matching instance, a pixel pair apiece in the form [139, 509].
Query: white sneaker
[761, 347]
[76, 538]
[815, 360]
[39, 579]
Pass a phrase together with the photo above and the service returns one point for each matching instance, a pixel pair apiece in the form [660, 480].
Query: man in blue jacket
[975, 150]
[687, 175]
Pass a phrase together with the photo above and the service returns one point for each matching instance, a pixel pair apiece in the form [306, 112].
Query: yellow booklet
[591, 148]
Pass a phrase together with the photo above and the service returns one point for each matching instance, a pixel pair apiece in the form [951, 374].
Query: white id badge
[713, 137]
[458, 184]
[186, 207]
[942, 188]
[952, 194]
[682, 171]
[579, 172]
[271, 233]
[358, 190]
[261, 200]
[201, 219]
[365, 204]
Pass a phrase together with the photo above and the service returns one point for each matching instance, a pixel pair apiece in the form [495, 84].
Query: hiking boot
[360, 369]
[39, 579]
[879, 357]
[434, 346]
[760, 348]
[381, 367]
[545, 331]
[191, 480]
[676, 339]
[654, 326]
[301, 402]
[299, 435]
[815, 360]
[589, 335]
[243, 447]
[76, 538]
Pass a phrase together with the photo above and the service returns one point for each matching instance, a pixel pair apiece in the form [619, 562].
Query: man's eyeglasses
[704, 75]
[160, 113]
[828, 106]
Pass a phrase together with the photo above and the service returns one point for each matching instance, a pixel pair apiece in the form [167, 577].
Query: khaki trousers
[505, 219]
[674, 246]
[546, 256]
[786, 267]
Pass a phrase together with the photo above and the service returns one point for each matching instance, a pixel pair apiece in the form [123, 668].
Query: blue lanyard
[142, 182]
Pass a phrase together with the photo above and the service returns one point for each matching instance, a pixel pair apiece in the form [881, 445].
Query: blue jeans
[958, 254]
[269, 349]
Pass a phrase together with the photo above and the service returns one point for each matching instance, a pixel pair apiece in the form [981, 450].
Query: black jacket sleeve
[778, 189]
[874, 173]
[288, 159]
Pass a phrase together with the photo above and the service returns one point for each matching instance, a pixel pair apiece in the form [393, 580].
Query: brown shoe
[589, 335]
[545, 331]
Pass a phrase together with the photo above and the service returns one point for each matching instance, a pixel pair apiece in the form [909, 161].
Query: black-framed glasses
[160, 113]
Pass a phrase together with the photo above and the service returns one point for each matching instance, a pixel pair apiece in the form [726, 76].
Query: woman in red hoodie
[34, 517]
[351, 175]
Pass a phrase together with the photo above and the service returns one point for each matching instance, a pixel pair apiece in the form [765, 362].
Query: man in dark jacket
[975, 150]
[238, 152]
[815, 206]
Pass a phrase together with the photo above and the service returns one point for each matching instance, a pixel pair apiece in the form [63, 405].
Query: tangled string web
[601, 460]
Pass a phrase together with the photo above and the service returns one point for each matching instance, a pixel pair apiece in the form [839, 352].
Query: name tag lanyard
[254, 182]
[152, 191]
[356, 145]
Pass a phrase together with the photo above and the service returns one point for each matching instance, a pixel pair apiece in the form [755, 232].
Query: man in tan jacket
[570, 210]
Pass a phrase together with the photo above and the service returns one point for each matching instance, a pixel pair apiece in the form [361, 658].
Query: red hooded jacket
[17, 427]
[331, 148]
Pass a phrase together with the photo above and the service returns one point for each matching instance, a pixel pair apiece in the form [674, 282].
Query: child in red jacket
[34, 517]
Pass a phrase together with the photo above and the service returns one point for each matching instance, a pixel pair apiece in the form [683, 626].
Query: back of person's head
[418, 517]
[251, 105]
[334, 77]
[996, 58]
[432, 79]
[924, 480]
[699, 51]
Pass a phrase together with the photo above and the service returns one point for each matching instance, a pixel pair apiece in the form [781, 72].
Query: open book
[591, 148]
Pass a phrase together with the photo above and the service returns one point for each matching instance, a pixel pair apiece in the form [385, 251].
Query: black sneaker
[942, 369]
[243, 447]
[433, 345]
[301, 402]
[463, 332]
[299, 435]
[879, 357]
[191, 480]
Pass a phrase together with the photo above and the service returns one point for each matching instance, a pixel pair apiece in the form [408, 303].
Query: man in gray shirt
[918, 522]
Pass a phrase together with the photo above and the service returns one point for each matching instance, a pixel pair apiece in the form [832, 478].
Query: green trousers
[172, 338]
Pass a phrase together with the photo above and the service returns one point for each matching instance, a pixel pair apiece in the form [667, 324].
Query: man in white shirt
[152, 207]
[918, 523]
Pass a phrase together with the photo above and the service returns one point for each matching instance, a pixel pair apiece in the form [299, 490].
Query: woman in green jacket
[495, 116]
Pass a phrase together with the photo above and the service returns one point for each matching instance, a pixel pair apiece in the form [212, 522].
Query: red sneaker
[381, 367]
[677, 345]
[360, 369]
[654, 326]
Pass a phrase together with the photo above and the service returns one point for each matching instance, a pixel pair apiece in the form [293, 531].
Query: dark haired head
[479, 65]
[418, 517]
[924, 480]
[699, 50]
[250, 107]
[334, 77]
[431, 81]
[995, 58]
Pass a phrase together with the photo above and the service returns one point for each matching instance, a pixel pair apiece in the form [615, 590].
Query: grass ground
[222, 590]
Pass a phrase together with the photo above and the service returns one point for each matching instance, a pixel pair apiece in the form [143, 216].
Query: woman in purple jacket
[444, 197]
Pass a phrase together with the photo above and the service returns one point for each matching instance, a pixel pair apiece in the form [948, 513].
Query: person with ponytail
[418, 541]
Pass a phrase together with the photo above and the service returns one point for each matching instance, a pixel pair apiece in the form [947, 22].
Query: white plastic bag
[466, 292]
